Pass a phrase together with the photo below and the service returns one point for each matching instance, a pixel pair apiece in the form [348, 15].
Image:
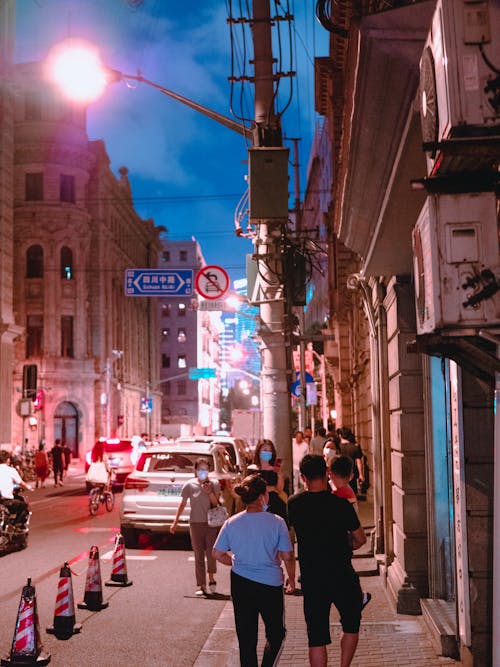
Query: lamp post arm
[231, 124]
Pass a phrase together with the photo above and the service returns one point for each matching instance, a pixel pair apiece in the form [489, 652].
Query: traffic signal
[30, 372]
[38, 400]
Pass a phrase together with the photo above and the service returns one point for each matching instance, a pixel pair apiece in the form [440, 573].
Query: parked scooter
[13, 534]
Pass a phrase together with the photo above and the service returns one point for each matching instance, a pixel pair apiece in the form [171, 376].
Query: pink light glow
[74, 65]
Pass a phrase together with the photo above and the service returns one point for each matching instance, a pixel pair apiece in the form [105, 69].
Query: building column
[407, 576]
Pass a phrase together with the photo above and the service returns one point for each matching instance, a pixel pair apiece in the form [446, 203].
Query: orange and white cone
[64, 614]
[119, 569]
[26, 646]
[92, 599]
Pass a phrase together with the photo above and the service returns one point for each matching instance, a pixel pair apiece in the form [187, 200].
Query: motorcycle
[13, 534]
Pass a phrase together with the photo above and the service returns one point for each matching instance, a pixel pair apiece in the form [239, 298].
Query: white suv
[152, 492]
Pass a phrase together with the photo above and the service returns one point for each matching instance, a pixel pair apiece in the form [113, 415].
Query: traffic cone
[26, 646]
[64, 614]
[119, 570]
[92, 599]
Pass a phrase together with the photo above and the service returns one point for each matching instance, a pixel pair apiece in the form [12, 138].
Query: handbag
[97, 473]
[216, 516]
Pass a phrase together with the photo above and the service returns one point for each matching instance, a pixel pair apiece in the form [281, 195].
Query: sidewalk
[386, 639]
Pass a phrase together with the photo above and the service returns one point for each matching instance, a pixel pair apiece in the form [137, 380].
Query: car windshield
[170, 462]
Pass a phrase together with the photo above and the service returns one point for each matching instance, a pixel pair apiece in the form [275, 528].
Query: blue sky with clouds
[187, 172]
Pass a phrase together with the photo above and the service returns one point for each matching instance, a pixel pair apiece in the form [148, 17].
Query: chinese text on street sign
[158, 282]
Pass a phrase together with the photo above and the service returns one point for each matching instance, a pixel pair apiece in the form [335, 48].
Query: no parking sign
[211, 282]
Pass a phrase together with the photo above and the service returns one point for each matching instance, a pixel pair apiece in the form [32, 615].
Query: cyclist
[99, 472]
[9, 477]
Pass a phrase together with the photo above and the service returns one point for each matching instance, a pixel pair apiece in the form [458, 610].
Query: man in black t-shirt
[327, 530]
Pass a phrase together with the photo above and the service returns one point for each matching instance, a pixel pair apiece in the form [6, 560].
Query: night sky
[187, 172]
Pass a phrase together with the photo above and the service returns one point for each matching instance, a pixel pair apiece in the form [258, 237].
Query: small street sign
[214, 305]
[201, 373]
[211, 282]
[295, 389]
[158, 282]
[147, 404]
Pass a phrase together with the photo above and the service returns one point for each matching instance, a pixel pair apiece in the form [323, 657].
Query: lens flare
[76, 68]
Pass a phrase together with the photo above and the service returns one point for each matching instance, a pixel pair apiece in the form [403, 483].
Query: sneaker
[200, 592]
[366, 599]
[212, 587]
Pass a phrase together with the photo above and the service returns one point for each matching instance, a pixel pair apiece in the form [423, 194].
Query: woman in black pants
[258, 541]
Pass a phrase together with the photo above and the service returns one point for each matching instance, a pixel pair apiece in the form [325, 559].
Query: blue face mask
[202, 475]
[265, 507]
[266, 456]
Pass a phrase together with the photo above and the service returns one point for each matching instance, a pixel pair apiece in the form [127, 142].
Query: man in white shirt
[9, 477]
[299, 449]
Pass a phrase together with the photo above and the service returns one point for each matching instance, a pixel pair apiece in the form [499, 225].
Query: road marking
[108, 555]
[95, 529]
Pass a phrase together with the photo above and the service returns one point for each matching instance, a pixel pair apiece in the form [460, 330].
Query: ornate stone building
[75, 233]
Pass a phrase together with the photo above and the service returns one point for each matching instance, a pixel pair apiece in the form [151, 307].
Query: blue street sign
[308, 376]
[158, 282]
[147, 404]
[201, 373]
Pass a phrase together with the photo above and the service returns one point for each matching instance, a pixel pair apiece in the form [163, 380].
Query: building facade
[75, 232]
[415, 335]
[189, 338]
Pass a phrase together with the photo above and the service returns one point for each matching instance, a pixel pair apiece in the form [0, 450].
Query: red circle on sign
[211, 282]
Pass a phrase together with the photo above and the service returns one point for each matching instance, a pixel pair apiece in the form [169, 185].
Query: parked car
[122, 453]
[239, 450]
[152, 492]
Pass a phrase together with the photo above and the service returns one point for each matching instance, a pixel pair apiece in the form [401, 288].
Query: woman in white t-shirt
[253, 543]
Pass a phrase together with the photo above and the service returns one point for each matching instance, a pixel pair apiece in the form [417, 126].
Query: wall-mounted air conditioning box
[459, 91]
[456, 263]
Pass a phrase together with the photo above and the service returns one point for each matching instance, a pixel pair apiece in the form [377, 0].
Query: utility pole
[268, 185]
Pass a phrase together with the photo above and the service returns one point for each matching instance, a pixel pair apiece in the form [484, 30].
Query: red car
[122, 455]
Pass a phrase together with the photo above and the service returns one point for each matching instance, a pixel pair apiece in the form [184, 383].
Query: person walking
[66, 458]
[318, 442]
[300, 447]
[41, 464]
[327, 529]
[57, 462]
[254, 543]
[265, 458]
[202, 494]
[349, 447]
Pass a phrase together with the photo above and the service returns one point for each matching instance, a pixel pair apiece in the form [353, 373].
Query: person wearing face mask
[300, 447]
[254, 543]
[265, 459]
[202, 494]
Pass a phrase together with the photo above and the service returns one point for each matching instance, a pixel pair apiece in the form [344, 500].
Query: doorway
[66, 426]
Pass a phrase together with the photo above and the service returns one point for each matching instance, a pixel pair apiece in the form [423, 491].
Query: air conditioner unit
[459, 90]
[456, 264]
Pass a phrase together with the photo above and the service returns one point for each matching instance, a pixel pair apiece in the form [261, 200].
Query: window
[183, 255]
[181, 361]
[165, 257]
[67, 336]
[165, 361]
[33, 187]
[66, 263]
[34, 262]
[181, 335]
[181, 310]
[33, 106]
[181, 387]
[34, 335]
[166, 389]
[165, 333]
[67, 188]
[166, 309]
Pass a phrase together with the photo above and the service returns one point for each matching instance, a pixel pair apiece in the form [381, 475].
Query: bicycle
[101, 494]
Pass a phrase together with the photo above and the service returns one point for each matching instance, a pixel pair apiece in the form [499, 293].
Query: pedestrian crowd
[317, 509]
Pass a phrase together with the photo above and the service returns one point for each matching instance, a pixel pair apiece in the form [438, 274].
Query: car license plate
[114, 463]
[172, 490]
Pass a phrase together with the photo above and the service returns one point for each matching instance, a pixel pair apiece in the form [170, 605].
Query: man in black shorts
[327, 530]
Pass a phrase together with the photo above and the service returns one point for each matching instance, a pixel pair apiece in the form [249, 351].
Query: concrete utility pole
[268, 187]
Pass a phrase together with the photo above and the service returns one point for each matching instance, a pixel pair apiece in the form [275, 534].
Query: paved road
[156, 621]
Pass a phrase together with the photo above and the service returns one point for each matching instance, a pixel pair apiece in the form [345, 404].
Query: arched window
[66, 263]
[34, 262]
